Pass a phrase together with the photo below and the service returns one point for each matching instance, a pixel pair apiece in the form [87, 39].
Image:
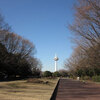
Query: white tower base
[55, 66]
[56, 59]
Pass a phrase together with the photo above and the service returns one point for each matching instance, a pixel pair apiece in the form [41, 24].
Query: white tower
[56, 59]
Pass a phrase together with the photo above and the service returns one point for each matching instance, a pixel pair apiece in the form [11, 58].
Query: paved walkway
[75, 90]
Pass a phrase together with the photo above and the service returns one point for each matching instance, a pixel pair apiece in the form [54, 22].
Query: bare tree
[86, 30]
[16, 53]
[87, 21]
[3, 24]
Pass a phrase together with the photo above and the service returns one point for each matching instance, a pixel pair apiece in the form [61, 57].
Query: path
[76, 90]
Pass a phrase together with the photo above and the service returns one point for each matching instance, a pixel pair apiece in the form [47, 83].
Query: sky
[45, 24]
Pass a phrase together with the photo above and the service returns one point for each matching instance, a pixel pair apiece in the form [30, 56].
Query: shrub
[47, 74]
[96, 78]
[56, 74]
[86, 78]
[63, 73]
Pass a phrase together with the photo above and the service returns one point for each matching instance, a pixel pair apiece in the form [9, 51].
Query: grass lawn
[26, 90]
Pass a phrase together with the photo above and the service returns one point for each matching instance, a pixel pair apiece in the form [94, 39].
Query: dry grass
[40, 89]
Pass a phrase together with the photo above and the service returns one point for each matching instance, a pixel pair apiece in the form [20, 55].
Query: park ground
[31, 89]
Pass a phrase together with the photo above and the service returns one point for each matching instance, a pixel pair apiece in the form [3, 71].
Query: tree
[63, 73]
[47, 74]
[3, 24]
[87, 21]
[3, 55]
[56, 74]
[16, 54]
[81, 64]
[86, 27]
[36, 67]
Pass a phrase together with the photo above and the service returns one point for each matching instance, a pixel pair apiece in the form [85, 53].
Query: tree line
[16, 55]
[85, 59]
[59, 73]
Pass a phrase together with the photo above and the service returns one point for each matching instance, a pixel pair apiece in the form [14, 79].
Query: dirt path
[76, 90]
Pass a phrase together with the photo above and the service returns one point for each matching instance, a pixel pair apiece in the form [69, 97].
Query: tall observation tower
[56, 59]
